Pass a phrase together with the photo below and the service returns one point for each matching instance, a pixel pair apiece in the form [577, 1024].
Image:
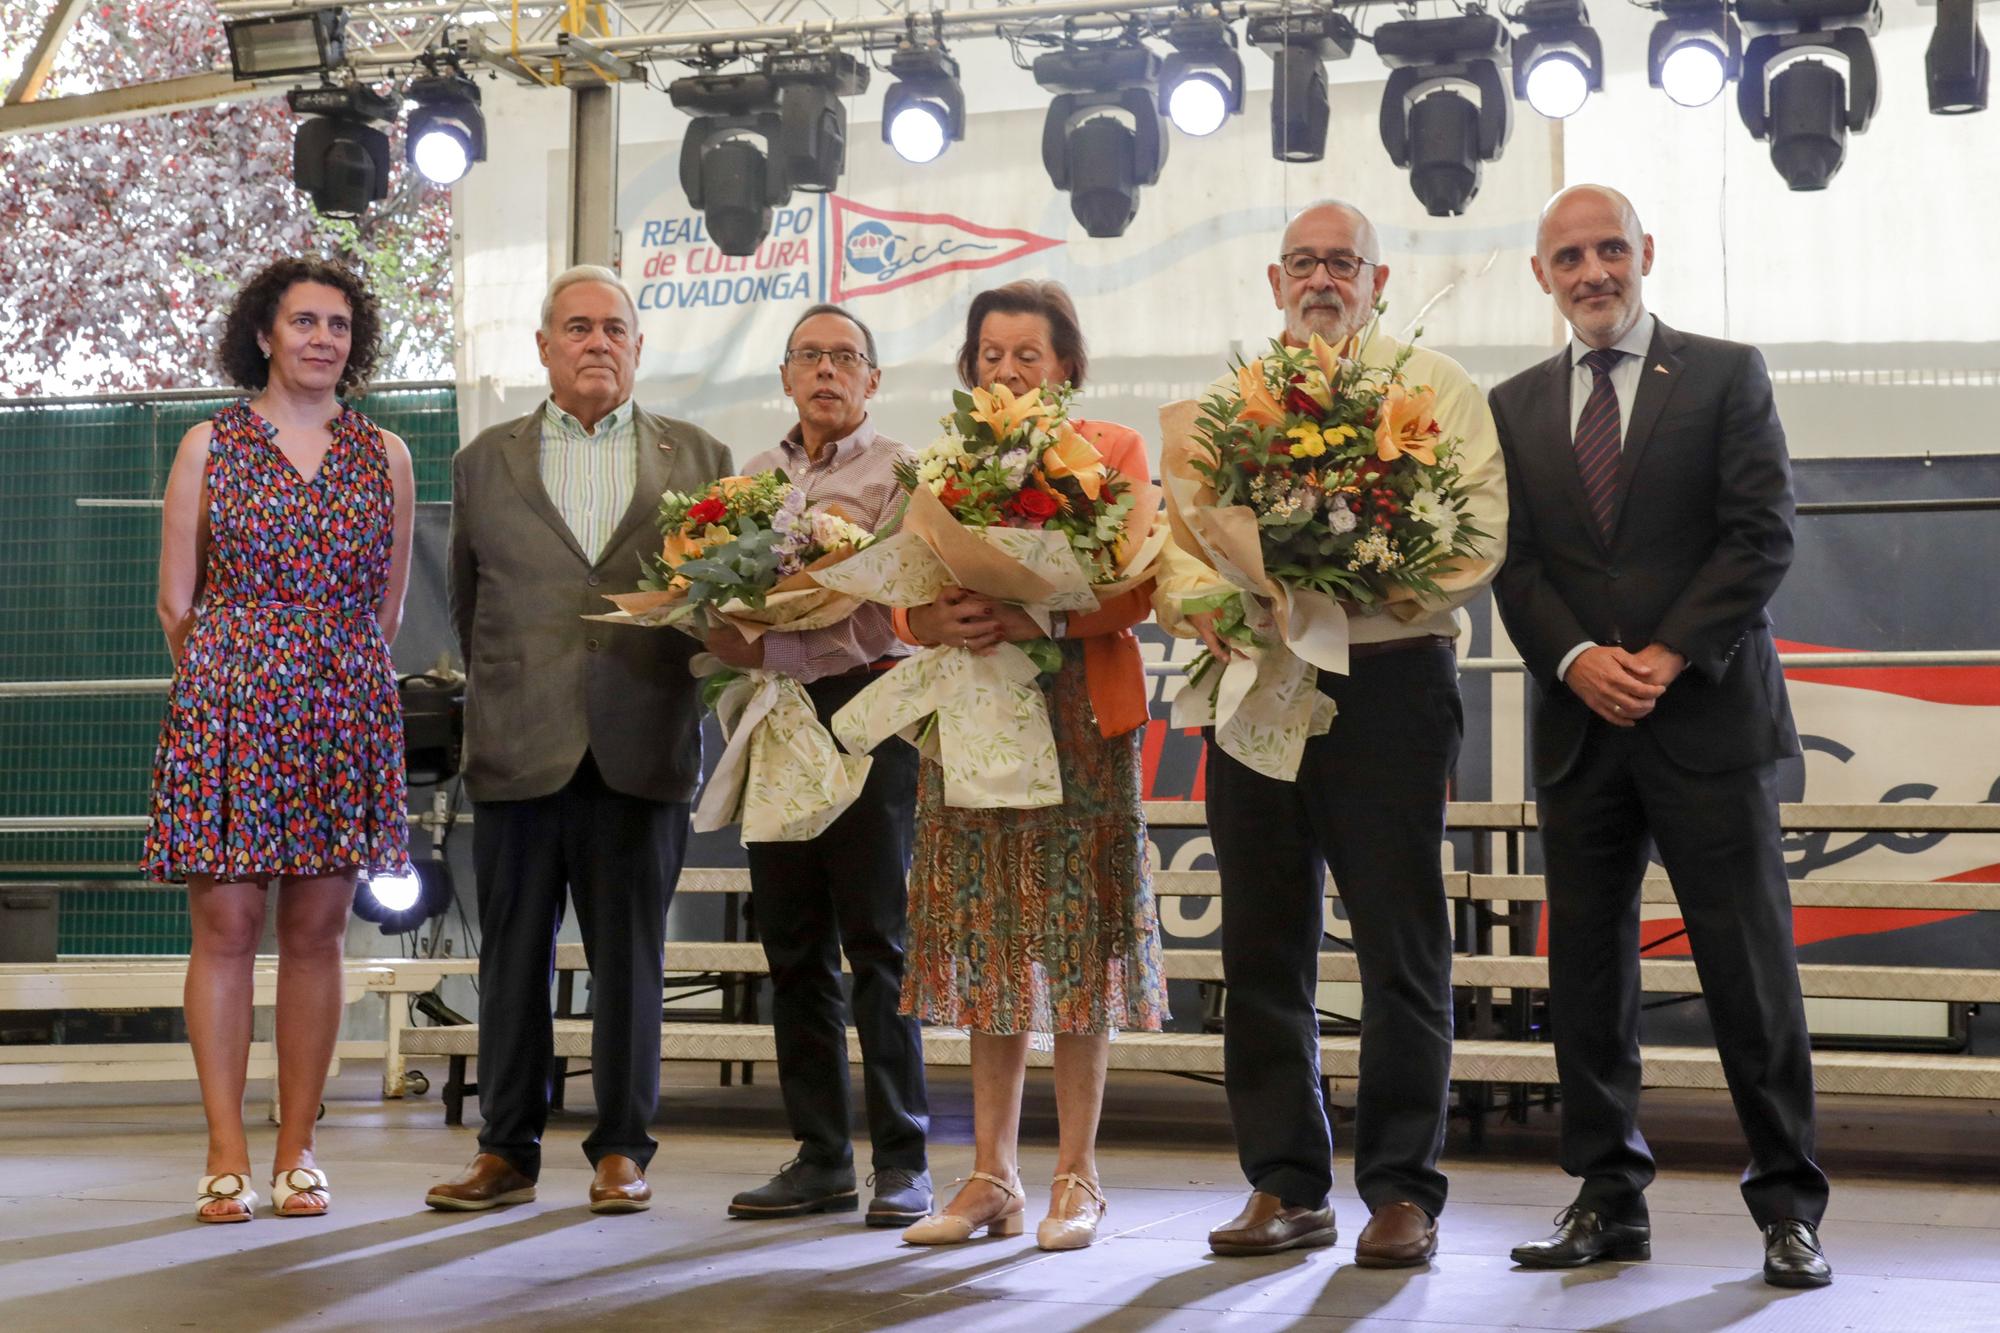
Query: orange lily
[1073, 456]
[1403, 425]
[1327, 357]
[1259, 407]
[1005, 414]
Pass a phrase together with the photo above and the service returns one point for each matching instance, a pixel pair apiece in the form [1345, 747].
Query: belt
[1399, 645]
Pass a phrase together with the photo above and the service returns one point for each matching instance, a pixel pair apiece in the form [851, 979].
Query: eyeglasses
[1341, 265]
[805, 358]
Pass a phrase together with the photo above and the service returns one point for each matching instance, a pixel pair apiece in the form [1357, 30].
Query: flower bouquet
[1014, 503]
[746, 551]
[1314, 484]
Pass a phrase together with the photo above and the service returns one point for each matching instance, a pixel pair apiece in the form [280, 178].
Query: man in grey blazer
[583, 743]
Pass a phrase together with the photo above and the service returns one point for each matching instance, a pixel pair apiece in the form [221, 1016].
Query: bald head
[1591, 256]
[1362, 230]
[1590, 198]
[1323, 302]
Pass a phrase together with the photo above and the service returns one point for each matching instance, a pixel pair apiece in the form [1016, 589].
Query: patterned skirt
[1039, 921]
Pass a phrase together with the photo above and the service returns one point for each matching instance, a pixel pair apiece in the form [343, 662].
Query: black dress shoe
[902, 1197]
[1792, 1256]
[800, 1187]
[1583, 1237]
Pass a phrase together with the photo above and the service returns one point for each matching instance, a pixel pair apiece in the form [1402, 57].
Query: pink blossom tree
[121, 243]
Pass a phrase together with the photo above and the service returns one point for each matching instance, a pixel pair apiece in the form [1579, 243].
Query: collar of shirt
[1638, 341]
[845, 449]
[556, 418]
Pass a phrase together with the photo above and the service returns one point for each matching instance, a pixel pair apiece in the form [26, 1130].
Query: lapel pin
[1659, 369]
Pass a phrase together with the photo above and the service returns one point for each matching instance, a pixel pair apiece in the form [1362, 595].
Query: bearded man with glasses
[843, 891]
[1368, 804]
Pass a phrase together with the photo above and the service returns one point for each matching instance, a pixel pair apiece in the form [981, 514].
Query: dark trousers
[619, 858]
[1717, 834]
[1368, 805]
[845, 891]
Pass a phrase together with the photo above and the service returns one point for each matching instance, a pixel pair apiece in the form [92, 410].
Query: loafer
[799, 1188]
[491, 1180]
[1398, 1235]
[1268, 1225]
[619, 1186]
[1793, 1257]
[902, 1197]
[1584, 1236]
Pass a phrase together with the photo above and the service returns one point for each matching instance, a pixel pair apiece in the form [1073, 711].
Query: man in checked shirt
[844, 890]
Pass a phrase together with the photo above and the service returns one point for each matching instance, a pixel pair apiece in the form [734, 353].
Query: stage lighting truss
[1558, 59]
[446, 132]
[757, 136]
[1957, 67]
[1695, 51]
[284, 45]
[1299, 44]
[1445, 110]
[1808, 82]
[923, 112]
[1201, 83]
[1104, 138]
[340, 154]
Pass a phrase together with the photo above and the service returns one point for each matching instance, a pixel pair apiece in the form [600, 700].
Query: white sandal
[209, 1190]
[286, 1184]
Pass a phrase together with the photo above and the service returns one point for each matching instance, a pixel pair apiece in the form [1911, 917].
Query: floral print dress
[1043, 920]
[282, 749]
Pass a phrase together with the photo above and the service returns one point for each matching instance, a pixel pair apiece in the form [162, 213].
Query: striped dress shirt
[590, 475]
[858, 474]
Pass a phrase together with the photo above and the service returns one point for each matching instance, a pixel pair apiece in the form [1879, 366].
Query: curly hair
[1051, 301]
[255, 311]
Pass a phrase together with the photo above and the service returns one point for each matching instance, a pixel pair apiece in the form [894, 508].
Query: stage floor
[96, 1232]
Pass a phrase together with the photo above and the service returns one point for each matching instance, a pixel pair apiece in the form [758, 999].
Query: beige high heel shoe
[951, 1229]
[1060, 1231]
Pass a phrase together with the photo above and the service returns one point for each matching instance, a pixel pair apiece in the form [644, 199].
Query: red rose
[710, 510]
[1298, 400]
[1369, 470]
[1251, 469]
[1035, 506]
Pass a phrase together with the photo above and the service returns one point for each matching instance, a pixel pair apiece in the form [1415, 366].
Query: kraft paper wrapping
[1265, 705]
[992, 736]
[780, 774]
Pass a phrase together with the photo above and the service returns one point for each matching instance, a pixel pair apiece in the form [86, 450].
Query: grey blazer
[543, 683]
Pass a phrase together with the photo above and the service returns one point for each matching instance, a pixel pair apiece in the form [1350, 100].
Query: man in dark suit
[1650, 506]
[582, 746]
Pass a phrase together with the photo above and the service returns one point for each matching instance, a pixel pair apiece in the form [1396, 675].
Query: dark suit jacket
[1700, 541]
[542, 682]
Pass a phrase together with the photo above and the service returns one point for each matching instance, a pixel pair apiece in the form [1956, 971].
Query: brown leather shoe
[1399, 1235]
[1267, 1225]
[619, 1187]
[490, 1181]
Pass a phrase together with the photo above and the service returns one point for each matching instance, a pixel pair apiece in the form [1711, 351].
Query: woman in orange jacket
[1040, 921]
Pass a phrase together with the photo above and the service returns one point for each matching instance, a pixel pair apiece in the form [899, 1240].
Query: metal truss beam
[28, 86]
[527, 39]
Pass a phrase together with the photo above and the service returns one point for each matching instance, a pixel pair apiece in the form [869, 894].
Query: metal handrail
[1969, 657]
[195, 395]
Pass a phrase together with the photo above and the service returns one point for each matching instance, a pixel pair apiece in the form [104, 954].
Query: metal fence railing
[79, 548]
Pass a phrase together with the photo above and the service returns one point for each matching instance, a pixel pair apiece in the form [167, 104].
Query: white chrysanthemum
[1428, 506]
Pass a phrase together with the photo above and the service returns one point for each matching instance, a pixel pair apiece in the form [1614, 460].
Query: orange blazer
[1111, 666]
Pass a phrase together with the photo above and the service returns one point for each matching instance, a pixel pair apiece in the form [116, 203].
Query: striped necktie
[1597, 439]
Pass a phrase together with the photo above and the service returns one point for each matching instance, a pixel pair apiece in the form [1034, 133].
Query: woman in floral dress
[283, 559]
[1039, 921]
